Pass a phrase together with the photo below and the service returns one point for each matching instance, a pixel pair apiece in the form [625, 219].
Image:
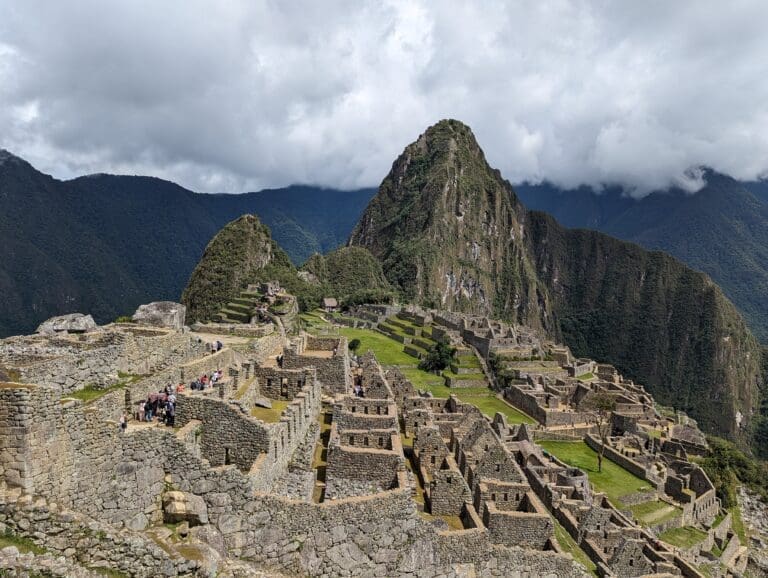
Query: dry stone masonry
[282, 467]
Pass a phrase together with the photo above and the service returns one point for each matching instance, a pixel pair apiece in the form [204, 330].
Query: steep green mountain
[350, 273]
[242, 252]
[449, 231]
[721, 230]
[443, 215]
[105, 244]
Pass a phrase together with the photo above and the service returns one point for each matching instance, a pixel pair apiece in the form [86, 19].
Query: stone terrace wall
[89, 542]
[98, 361]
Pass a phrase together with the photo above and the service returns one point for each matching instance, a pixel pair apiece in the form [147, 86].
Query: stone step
[237, 315]
[239, 307]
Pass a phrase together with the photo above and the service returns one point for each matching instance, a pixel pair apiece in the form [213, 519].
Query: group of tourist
[204, 381]
[214, 346]
[161, 405]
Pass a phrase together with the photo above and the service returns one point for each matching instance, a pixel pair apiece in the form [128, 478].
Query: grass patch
[655, 512]
[614, 480]
[24, 545]
[270, 415]
[586, 376]
[424, 380]
[738, 525]
[685, 537]
[490, 404]
[388, 351]
[91, 392]
[570, 546]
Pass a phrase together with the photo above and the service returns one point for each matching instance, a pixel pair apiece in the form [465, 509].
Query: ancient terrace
[297, 457]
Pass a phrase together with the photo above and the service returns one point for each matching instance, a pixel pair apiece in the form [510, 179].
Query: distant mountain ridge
[721, 230]
[105, 244]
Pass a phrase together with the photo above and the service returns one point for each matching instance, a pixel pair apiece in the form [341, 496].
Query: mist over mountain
[721, 230]
[105, 244]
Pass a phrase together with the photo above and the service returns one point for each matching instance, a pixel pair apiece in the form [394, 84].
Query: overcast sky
[234, 96]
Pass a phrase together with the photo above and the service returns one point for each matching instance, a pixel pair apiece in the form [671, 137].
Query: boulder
[71, 323]
[166, 314]
[183, 507]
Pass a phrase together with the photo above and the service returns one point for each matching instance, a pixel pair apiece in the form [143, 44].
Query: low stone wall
[91, 543]
[236, 329]
[618, 458]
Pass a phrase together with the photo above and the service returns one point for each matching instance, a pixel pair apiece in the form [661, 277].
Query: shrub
[438, 358]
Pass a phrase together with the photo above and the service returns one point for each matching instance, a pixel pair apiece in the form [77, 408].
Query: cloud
[237, 96]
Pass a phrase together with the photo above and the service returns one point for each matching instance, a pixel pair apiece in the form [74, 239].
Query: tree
[601, 406]
[354, 345]
[438, 358]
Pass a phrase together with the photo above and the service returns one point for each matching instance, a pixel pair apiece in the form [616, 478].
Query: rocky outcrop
[71, 323]
[165, 314]
[184, 507]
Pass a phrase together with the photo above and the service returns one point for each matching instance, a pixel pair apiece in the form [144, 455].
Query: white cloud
[242, 95]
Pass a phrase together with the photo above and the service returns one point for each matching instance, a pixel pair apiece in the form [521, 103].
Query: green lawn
[270, 415]
[655, 512]
[570, 546]
[585, 376]
[423, 380]
[388, 351]
[684, 537]
[489, 404]
[614, 480]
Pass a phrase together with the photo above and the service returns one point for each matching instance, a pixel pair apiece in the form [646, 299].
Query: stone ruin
[281, 469]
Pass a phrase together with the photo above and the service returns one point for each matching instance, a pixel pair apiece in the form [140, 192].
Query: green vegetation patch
[24, 545]
[685, 537]
[655, 512]
[570, 546]
[91, 392]
[270, 415]
[388, 351]
[614, 480]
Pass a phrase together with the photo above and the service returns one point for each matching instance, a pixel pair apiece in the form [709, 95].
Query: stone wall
[95, 359]
[89, 542]
[617, 457]
[529, 529]
[448, 492]
[332, 371]
[276, 383]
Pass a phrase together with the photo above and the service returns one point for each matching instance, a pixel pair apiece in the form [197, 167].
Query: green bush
[354, 345]
[438, 358]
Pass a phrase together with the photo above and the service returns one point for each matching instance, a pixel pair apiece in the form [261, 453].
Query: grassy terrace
[570, 546]
[684, 537]
[91, 392]
[655, 512]
[614, 480]
[270, 414]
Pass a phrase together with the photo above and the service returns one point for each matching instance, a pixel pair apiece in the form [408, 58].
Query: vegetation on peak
[242, 252]
[351, 275]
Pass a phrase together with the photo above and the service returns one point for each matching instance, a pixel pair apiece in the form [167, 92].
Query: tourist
[123, 423]
[140, 411]
[148, 409]
[180, 388]
[219, 345]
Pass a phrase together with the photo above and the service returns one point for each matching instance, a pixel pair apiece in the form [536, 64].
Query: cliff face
[660, 322]
[451, 233]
